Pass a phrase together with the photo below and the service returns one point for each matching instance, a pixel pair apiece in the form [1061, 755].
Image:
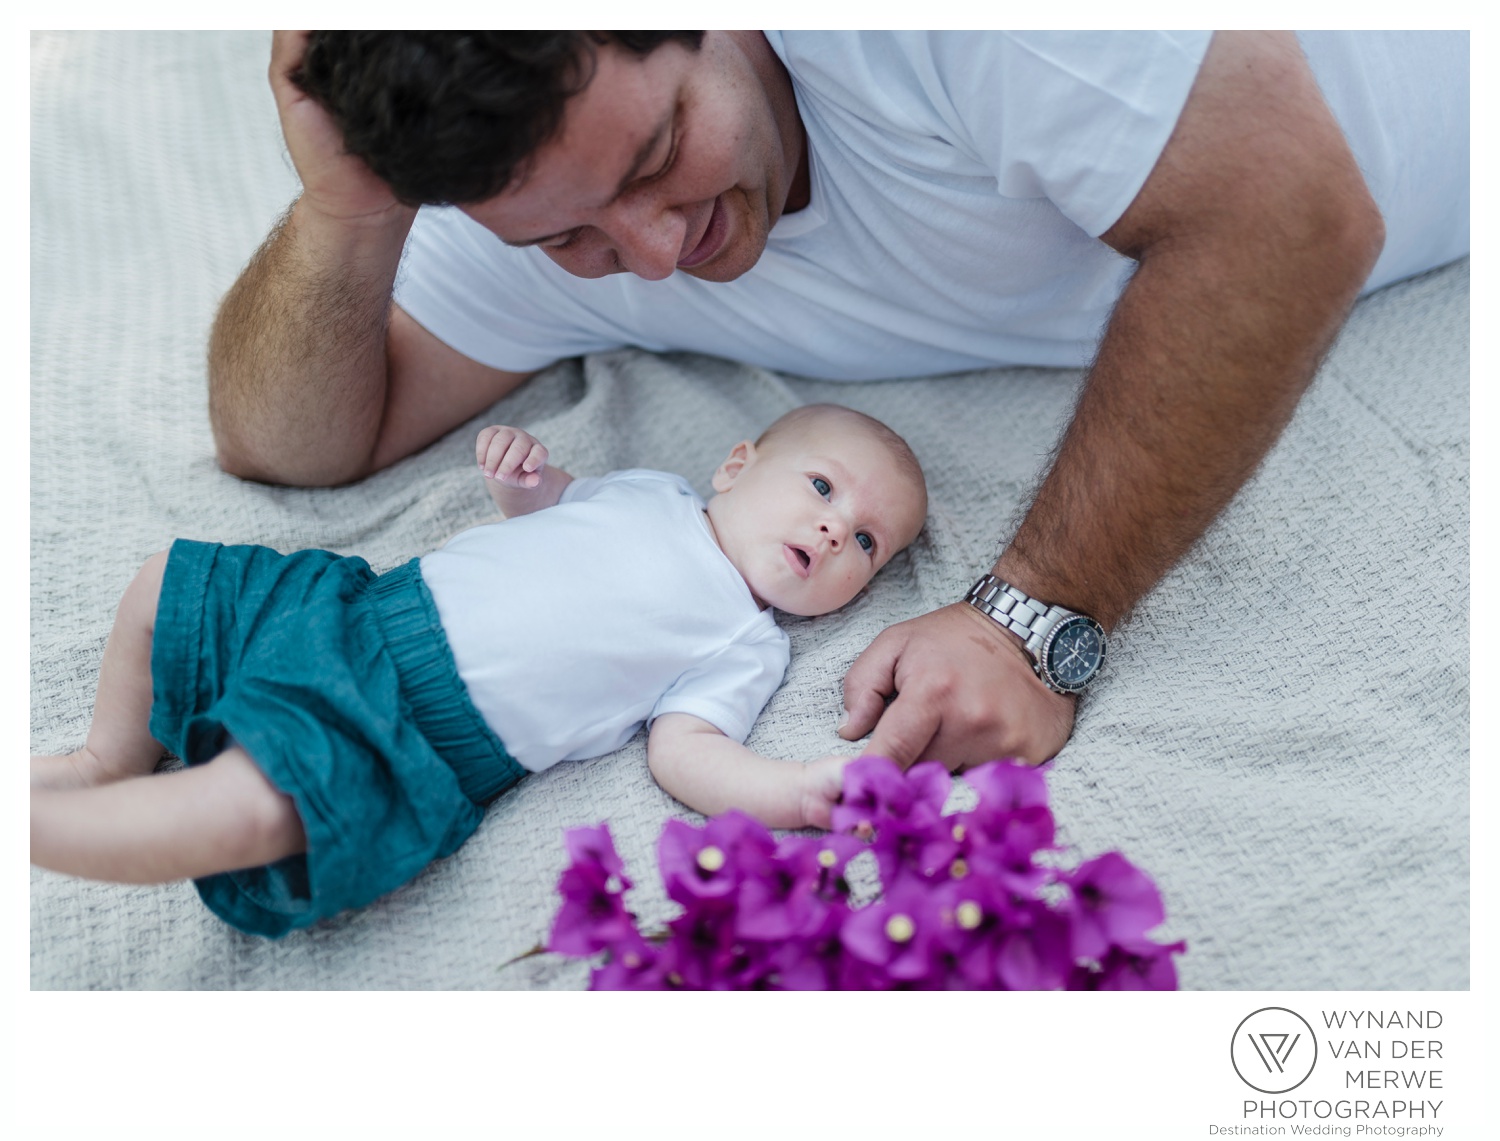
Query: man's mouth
[798, 558]
[713, 237]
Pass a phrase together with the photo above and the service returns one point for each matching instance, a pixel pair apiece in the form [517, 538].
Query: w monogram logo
[1273, 1050]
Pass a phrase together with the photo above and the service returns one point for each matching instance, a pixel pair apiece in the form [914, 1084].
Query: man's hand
[334, 183]
[964, 693]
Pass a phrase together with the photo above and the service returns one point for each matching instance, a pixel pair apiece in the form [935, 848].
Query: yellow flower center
[969, 915]
[828, 857]
[958, 832]
[900, 929]
[958, 869]
[710, 859]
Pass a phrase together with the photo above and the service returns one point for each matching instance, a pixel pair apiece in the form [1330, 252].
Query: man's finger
[870, 680]
[904, 732]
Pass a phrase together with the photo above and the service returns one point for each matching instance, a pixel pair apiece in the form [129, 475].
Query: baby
[342, 729]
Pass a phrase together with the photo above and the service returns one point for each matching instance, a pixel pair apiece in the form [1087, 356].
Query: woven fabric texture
[1281, 738]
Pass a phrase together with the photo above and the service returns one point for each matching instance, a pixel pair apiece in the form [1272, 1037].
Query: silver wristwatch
[1066, 648]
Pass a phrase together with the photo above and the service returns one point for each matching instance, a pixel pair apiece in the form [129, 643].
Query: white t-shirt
[959, 183]
[573, 626]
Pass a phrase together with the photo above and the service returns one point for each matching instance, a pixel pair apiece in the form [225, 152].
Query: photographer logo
[1273, 1050]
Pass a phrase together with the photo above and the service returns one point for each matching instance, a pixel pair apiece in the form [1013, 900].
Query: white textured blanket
[1281, 738]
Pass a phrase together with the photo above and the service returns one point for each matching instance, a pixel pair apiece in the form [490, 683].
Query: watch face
[1074, 652]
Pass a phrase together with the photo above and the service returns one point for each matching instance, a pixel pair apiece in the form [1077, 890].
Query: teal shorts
[340, 685]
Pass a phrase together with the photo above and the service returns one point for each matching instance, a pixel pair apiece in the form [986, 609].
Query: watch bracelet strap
[1015, 610]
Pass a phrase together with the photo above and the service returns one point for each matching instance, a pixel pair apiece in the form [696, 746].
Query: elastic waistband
[439, 701]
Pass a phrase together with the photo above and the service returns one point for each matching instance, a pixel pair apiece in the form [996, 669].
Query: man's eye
[867, 543]
[667, 165]
[568, 240]
[822, 486]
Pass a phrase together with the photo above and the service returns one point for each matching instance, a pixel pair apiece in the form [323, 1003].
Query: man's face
[678, 160]
[808, 520]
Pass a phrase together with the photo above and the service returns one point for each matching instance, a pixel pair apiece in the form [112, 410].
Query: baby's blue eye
[822, 486]
[865, 542]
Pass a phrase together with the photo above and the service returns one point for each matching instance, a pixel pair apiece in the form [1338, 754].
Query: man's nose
[647, 238]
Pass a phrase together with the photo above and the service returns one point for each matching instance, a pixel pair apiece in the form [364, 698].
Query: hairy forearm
[1254, 234]
[1204, 361]
[299, 346]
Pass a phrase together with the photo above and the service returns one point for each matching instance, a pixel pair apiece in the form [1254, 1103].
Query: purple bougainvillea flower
[898, 849]
[1035, 954]
[823, 858]
[1006, 786]
[705, 953]
[1113, 902]
[875, 791]
[1138, 965]
[594, 848]
[1010, 824]
[941, 844]
[787, 896]
[963, 903]
[1005, 850]
[898, 934]
[815, 959]
[931, 783]
[991, 939]
[593, 886]
[632, 964]
[1012, 805]
[902, 824]
[705, 863]
[964, 951]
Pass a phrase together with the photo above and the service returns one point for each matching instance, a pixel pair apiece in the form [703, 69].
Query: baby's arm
[708, 772]
[515, 470]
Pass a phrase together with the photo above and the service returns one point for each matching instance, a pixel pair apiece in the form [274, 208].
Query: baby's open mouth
[798, 559]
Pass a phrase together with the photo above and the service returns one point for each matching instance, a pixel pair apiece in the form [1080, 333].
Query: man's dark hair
[452, 117]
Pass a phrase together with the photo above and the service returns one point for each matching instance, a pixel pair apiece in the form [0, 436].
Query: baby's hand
[822, 785]
[510, 455]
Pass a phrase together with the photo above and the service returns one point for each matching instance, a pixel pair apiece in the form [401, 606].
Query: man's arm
[314, 376]
[1254, 234]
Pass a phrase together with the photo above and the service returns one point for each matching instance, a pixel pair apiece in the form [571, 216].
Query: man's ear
[741, 456]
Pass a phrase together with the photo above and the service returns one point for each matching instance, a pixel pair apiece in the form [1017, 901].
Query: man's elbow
[239, 456]
[242, 464]
[231, 451]
[1343, 233]
[1357, 237]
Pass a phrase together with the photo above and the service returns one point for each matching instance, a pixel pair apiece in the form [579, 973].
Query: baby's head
[811, 510]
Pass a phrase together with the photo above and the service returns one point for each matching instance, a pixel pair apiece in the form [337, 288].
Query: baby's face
[809, 518]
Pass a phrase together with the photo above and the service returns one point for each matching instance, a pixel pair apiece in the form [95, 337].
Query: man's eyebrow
[643, 155]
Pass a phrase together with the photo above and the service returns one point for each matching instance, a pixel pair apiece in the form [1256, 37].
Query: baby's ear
[741, 456]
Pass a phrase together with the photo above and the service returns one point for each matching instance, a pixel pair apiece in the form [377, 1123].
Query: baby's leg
[214, 817]
[119, 742]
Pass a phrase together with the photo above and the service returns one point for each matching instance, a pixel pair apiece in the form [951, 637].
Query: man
[1194, 197]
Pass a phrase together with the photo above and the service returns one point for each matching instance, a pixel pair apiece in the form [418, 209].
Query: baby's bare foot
[74, 770]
